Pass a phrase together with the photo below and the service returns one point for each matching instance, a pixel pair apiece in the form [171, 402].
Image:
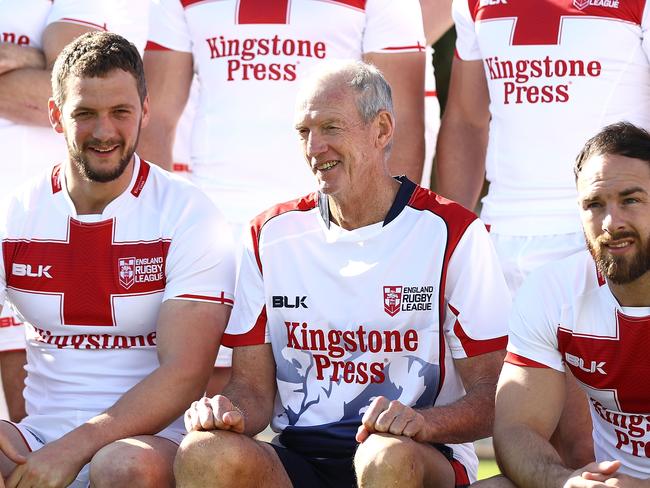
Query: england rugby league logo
[580, 4]
[126, 271]
[392, 299]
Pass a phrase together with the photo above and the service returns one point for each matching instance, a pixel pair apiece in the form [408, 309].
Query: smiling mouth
[327, 165]
[104, 150]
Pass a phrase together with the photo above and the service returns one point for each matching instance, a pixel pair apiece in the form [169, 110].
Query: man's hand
[53, 466]
[391, 417]
[17, 57]
[216, 413]
[603, 474]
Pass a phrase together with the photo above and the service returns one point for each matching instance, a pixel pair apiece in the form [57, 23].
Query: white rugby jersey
[380, 310]
[250, 56]
[557, 72]
[93, 290]
[565, 315]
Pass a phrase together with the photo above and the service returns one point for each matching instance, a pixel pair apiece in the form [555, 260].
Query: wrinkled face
[337, 144]
[101, 119]
[614, 196]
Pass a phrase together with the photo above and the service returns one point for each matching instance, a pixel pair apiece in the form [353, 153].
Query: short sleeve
[533, 326]
[128, 18]
[168, 27]
[248, 322]
[4, 213]
[467, 46]
[201, 262]
[477, 297]
[393, 26]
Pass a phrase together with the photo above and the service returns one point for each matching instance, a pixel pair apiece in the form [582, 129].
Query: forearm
[16, 57]
[528, 459]
[23, 96]
[147, 408]
[468, 419]
[460, 168]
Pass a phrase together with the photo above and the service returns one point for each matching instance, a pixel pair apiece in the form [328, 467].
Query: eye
[83, 114]
[303, 132]
[330, 128]
[591, 205]
[630, 200]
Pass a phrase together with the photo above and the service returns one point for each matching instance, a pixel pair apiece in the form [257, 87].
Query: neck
[635, 294]
[91, 197]
[367, 206]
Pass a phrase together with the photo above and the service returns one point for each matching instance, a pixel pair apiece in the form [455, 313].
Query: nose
[315, 145]
[613, 220]
[103, 129]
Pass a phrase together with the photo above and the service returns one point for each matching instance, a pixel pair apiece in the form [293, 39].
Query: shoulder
[291, 207]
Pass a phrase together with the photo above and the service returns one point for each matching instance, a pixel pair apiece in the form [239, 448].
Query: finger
[187, 418]
[10, 451]
[603, 467]
[15, 476]
[226, 415]
[362, 434]
[205, 415]
[387, 417]
[401, 421]
[377, 406]
[234, 420]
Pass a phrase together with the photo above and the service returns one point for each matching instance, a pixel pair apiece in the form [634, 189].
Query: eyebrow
[630, 191]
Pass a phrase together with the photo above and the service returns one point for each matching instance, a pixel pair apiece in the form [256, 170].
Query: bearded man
[587, 313]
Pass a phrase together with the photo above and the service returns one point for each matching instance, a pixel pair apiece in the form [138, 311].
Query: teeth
[622, 244]
[327, 165]
[104, 150]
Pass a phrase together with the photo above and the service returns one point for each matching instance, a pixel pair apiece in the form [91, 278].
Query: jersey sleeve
[467, 47]
[476, 295]
[90, 13]
[201, 263]
[168, 27]
[533, 326]
[393, 26]
[248, 322]
[4, 213]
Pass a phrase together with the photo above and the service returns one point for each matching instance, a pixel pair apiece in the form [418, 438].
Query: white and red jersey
[557, 72]
[380, 310]
[92, 286]
[566, 316]
[250, 56]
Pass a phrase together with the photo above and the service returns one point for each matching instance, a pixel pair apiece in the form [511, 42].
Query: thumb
[10, 451]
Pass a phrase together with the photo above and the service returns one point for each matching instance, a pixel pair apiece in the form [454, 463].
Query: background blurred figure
[249, 56]
[32, 33]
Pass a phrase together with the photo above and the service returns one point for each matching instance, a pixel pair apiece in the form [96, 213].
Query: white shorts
[36, 438]
[12, 330]
[519, 255]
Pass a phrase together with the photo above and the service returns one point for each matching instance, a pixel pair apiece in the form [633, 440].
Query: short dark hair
[95, 54]
[621, 138]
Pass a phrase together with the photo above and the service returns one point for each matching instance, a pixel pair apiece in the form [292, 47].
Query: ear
[145, 113]
[55, 116]
[386, 129]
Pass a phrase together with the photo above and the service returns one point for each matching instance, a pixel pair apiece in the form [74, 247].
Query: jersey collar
[402, 199]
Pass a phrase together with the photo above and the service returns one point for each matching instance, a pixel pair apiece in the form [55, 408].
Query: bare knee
[132, 463]
[387, 460]
[214, 458]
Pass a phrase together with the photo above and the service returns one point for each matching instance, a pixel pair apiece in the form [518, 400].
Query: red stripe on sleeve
[154, 46]
[219, 299]
[253, 337]
[518, 360]
[474, 347]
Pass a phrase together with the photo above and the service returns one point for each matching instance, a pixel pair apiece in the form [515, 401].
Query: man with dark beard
[105, 254]
[590, 314]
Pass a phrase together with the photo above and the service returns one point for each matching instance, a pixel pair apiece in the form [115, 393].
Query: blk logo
[579, 363]
[41, 271]
[280, 301]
